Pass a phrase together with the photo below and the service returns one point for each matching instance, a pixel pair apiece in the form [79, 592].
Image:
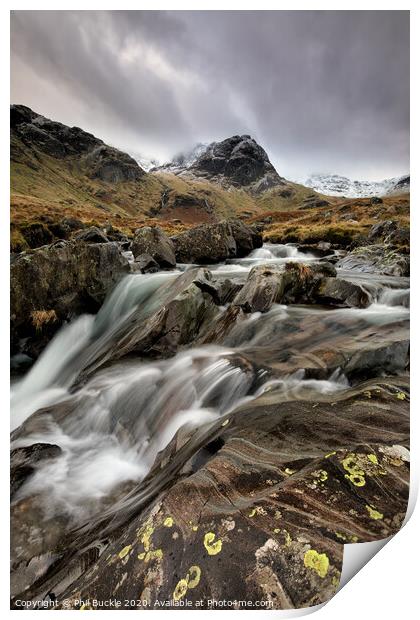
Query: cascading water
[111, 429]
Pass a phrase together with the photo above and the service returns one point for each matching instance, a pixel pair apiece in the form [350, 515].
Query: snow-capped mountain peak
[336, 185]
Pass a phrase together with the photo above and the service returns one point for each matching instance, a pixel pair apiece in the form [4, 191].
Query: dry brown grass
[40, 318]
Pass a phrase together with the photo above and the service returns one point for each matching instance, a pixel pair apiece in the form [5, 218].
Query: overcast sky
[320, 91]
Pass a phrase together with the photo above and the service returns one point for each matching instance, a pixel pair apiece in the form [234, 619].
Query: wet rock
[292, 283]
[153, 241]
[376, 259]
[256, 508]
[227, 290]
[375, 200]
[92, 235]
[341, 292]
[23, 462]
[263, 287]
[146, 264]
[54, 283]
[186, 306]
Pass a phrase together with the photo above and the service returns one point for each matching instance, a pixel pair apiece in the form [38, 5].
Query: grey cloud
[320, 90]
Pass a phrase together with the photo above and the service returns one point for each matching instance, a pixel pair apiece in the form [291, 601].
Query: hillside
[58, 171]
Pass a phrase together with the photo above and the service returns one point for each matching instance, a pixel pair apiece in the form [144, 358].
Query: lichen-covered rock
[257, 507]
[153, 241]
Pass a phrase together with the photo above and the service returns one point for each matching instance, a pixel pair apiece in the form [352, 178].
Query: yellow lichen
[373, 458]
[321, 475]
[357, 479]
[374, 514]
[276, 530]
[156, 554]
[225, 422]
[401, 396]
[124, 552]
[145, 535]
[356, 475]
[287, 538]
[168, 522]
[318, 562]
[327, 456]
[335, 581]
[289, 471]
[193, 577]
[194, 528]
[212, 545]
[180, 589]
[258, 510]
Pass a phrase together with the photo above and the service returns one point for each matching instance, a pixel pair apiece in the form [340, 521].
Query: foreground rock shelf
[256, 506]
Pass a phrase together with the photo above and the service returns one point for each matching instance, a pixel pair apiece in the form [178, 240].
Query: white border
[387, 586]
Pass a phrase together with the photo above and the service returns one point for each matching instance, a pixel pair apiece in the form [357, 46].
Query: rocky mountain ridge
[238, 161]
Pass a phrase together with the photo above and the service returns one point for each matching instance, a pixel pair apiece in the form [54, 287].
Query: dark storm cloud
[321, 91]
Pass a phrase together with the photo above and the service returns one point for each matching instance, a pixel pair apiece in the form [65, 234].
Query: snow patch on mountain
[183, 161]
[336, 185]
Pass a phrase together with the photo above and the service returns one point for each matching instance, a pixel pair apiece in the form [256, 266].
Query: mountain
[335, 185]
[59, 171]
[237, 161]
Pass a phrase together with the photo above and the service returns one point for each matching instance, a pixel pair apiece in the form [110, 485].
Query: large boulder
[380, 258]
[209, 243]
[180, 310]
[292, 283]
[263, 287]
[53, 283]
[154, 242]
[213, 243]
[341, 292]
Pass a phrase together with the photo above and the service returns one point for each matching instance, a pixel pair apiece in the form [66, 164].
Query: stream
[111, 428]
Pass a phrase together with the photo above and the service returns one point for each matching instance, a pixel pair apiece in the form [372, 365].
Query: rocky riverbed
[205, 416]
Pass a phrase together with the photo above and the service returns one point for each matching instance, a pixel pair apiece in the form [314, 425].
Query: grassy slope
[45, 187]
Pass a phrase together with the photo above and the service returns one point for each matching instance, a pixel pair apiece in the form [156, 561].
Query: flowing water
[111, 429]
